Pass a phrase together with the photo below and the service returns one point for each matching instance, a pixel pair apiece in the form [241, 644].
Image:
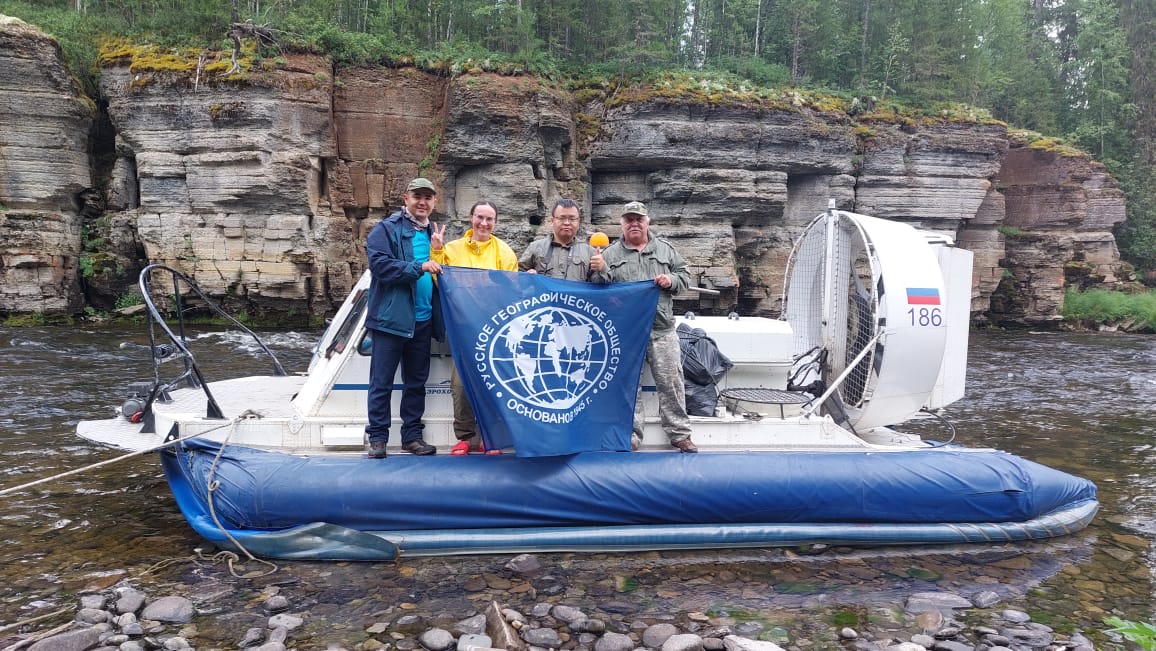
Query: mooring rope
[108, 462]
[224, 555]
[228, 557]
[212, 485]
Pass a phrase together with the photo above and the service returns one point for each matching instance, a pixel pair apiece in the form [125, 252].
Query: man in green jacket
[640, 256]
[561, 254]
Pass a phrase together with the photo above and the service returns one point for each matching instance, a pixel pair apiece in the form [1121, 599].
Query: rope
[212, 485]
[106, 462]
[160, 565]
[228, 557]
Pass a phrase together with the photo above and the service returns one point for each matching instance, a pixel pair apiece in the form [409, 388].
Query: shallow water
[1081, 403]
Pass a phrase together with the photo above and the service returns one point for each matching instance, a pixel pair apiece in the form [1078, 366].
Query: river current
[1079, 402]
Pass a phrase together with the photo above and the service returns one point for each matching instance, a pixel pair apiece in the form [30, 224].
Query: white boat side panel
[349, 395]
[342, 435]
[749, 339]
[295, 434]
[957, 279]
[327, 365]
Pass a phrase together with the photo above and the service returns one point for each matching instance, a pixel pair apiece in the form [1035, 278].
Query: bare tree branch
[262, 34]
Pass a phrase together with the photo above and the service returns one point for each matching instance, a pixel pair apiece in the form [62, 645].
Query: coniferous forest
[1083, 71]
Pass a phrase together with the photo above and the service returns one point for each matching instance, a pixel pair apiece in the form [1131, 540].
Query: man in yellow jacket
[478, 249]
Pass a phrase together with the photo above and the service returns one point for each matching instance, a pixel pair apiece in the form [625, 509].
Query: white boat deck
[266, 418]
[261, 396]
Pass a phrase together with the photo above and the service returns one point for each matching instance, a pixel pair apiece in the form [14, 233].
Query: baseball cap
[421, 184]
[635, 208]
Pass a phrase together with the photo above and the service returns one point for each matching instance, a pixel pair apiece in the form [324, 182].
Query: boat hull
[344, 508]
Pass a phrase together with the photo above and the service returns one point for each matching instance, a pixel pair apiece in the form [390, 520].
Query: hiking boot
[419, 447]
[377, 450]
[685, 446]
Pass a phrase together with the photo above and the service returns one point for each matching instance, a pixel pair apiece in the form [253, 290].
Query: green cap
[635, 208]
[421, 184]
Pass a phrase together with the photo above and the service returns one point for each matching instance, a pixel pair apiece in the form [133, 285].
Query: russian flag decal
[922, 296]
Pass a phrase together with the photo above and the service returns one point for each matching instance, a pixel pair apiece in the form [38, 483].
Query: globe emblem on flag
[549, 357]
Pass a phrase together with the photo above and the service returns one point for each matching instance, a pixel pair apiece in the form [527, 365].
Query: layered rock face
[731, 187]
[263, 190]
[1060, 212]
[44, 173]
[223, 182]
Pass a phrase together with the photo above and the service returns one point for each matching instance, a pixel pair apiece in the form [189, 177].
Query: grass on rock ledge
[1100, 306]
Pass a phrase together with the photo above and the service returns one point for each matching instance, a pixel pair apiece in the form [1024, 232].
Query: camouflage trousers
[664, 357]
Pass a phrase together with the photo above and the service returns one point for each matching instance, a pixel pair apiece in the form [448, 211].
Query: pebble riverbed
[534, 617]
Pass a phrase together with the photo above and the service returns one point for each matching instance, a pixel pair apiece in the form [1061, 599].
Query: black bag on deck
[703, 365]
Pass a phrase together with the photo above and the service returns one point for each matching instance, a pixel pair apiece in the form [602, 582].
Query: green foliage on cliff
[76, 33]
[1034, 140]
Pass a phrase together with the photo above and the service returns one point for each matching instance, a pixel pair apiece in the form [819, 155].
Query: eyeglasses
[566, 219]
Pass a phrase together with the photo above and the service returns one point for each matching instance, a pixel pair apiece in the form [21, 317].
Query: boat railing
[177, 346]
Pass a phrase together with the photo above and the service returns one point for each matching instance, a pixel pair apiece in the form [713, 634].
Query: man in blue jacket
[403, 316]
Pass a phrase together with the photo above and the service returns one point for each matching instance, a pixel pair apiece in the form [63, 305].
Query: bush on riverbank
[1098, 307]
[1141, 633]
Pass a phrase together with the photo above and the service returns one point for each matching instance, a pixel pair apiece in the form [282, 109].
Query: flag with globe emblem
[550, 366]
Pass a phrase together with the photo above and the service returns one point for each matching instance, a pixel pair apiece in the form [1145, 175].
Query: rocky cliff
[45, 176]
[262, 186]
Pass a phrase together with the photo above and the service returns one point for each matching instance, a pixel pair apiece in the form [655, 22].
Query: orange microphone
[599, 240]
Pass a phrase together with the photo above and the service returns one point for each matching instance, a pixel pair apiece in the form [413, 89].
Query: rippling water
[1082, 403]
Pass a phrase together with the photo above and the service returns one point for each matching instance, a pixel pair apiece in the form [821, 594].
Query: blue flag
[550, 366]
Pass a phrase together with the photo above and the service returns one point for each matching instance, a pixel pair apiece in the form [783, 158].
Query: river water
[1081, 403]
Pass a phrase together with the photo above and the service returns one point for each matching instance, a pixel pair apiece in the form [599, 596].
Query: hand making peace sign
[437, 237]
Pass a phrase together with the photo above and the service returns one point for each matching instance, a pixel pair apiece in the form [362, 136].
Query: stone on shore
[614, 642]
[171, 610]
[76, 640]
[736, 643]
[654, 636]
